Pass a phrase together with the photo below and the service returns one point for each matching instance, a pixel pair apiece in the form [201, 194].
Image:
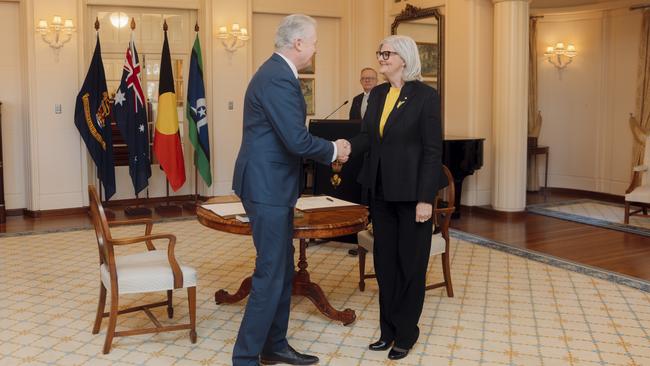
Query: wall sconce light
[233, 39]
[57, 33]
[554, 55]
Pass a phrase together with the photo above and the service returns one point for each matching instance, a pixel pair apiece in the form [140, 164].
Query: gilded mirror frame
[411, 13]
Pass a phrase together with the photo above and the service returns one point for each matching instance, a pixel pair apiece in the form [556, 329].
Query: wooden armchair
[439, 240]
[639, 196]
[149, 271]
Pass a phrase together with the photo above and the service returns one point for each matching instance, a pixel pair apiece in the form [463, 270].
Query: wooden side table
[540, 150]
[317, 224]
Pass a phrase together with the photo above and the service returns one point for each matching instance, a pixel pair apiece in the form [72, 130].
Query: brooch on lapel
[399, 104]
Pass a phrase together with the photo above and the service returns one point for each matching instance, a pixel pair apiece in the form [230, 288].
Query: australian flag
[91, 116]
[131, 117]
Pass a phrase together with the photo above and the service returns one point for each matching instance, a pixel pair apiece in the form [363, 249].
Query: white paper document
[226, 209]
[311, 203]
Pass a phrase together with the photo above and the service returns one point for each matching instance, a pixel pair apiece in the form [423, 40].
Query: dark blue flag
[131, 117]
[92, 110]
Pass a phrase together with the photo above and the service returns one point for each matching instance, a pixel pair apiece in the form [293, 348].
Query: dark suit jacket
[355, 109]
[410, 152]
[275, 138]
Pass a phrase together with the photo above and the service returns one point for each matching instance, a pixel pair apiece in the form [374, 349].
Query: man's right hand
[343, 149]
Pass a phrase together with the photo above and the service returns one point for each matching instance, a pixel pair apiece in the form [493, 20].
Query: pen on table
[329, 199]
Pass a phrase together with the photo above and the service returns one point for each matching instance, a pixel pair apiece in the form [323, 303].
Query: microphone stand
[336, 110]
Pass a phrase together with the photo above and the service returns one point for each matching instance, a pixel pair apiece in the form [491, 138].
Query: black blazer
[410, 152]
[355, 109]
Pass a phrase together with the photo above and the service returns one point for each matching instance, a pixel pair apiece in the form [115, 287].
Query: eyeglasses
[385, 55]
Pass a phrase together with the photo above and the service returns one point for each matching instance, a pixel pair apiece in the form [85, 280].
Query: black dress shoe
[380, 345]
[396, 354]
[289, 356]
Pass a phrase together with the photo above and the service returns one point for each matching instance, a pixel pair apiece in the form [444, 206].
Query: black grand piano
[462, 155]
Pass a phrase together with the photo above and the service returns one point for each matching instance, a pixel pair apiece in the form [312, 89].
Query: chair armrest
[176, 268]
[640, 168]
[446, 210]
[143, 238]
[143, 221]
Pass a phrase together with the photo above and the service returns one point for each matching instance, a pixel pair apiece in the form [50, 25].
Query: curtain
[640, 123]
[534, 115]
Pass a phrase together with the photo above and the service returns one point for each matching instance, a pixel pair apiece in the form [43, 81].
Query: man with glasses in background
[360, 102]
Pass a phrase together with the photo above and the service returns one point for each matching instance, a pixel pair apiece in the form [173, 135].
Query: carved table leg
[223, 297]
[302, 285]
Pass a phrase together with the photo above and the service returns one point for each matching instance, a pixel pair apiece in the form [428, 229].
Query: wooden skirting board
[112, 204]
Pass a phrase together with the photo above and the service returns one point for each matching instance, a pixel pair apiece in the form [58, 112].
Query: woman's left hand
[423, 211]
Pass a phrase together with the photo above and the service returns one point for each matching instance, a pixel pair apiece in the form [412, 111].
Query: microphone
[341, 106]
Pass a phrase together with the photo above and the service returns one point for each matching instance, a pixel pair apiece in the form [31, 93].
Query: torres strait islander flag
[167, 139]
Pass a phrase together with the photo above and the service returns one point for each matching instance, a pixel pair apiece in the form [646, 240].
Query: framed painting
[431, 83]
[428, 58]
[307, 88]
[311, 69]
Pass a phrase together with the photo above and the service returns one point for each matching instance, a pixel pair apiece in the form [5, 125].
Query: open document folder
[317, 202]
[227, 209]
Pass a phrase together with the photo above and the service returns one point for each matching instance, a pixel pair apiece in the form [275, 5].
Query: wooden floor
[611, 250]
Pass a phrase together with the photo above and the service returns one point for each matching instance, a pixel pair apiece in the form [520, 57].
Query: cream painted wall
[586, 107]
[57, 164]
[13, 119]
[368, 31]
[327, 86]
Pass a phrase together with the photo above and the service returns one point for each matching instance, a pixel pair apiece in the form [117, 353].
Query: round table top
[313, 224]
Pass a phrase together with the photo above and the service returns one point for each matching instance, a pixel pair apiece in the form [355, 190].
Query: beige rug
[508, 310]
[592, 212]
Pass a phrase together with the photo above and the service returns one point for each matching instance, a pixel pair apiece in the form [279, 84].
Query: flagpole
[109, 213]
[136, 210]
[189, 205]
[167, 209]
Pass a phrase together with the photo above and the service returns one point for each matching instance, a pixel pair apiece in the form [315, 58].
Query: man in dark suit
[368, 81]
[266, 178]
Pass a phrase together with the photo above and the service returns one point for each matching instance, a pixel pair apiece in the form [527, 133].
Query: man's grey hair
[292, 27]
[407, 49]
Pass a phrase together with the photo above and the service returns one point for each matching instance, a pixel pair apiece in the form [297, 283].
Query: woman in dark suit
[401, 132]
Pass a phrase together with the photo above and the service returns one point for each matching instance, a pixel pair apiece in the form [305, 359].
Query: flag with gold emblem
[91, 116]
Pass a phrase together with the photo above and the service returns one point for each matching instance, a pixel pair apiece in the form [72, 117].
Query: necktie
[364, 104]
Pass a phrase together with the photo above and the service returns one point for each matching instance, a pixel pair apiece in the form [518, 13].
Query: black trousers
[401, 257]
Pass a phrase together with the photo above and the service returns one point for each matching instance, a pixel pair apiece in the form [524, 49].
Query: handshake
[343, 149]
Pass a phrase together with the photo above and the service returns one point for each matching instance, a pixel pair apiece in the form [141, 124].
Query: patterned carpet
[592, 212]
[508, 310]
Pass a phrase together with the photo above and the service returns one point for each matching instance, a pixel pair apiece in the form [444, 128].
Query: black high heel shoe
[397, 353]
[380, 345]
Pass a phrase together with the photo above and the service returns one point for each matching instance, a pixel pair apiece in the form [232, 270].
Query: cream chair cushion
[366, 241]
[639, 194]
[146, 272]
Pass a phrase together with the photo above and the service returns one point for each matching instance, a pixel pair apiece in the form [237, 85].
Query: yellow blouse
[389, 104]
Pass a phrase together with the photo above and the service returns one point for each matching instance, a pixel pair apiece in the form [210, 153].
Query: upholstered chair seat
[146, 272]
[639, 194]
[366, 241]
